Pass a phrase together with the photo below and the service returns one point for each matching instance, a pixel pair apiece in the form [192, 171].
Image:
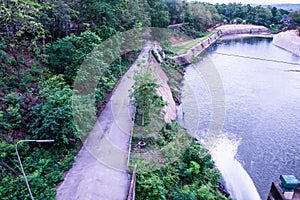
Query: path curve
[100, 168]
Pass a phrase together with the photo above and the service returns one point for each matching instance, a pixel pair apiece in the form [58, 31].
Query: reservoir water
[246, 112]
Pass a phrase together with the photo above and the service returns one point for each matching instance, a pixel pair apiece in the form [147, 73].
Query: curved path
[100, 170]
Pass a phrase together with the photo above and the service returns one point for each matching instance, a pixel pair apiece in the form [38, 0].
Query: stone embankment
[288, 40]
[165, 92]
[241, 29]
[162, 79]
[222, 30]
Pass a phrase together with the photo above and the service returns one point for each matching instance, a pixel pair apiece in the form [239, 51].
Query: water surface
[258, 137]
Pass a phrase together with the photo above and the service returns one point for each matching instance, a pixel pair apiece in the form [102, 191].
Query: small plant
[151, 139]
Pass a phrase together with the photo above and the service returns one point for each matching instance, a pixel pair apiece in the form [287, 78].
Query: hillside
[49, 47]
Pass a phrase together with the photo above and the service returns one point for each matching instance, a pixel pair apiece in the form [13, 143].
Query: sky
[264, 2]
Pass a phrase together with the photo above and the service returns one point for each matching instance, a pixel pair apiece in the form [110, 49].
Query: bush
[53, 118]
[43, 166]
[192, 176]
[151, 139]
[11, 116]
[61, 55]
[150, 186]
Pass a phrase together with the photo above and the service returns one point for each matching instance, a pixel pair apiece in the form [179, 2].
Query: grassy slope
[183, 49]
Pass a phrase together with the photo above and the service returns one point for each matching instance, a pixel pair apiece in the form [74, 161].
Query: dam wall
[187, 58]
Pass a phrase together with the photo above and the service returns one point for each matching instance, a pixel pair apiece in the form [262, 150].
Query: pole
[19, 159]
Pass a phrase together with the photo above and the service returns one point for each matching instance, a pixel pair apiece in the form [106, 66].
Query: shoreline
[246, 35]
[288, 40]
[196, 50]
[224, 30]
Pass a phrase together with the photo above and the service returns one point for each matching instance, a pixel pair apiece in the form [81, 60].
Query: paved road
[100, 168]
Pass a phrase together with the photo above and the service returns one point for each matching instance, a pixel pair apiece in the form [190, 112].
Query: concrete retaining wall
[196, 50]
[289, 40]
[241, 29]
[222, 30]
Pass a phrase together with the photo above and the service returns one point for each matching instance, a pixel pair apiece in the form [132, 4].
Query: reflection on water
[261, 106]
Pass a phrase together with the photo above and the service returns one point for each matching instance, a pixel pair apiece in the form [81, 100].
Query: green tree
[159, 13]
[53, 118]
[200, 17]
[144, 95]
[11, 116]
[59, 17]
[61, 55]
[67, 54]
[177, 10]
[21, 29]
[94, 12]
[295, 17]
[262, 16]
[136, 15]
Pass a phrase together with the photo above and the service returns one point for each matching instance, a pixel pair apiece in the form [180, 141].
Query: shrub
[53, 118]
[150, 186]
[151, 139]
[11, 117]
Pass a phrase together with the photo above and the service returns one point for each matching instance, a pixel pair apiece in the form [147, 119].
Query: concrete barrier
[186, 59]
[289, 40]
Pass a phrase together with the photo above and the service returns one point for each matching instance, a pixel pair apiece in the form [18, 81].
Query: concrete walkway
[100, 168]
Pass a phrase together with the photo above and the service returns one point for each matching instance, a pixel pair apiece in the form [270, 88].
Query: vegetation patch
[43, 165]
[173, 166]
[42, 46]
[170, 165]
[175, 73]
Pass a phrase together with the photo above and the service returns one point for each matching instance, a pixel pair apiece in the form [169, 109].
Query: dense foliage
[179, 169]
[170, 165]
[41, 50]
[202, 16]
[42, 46]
